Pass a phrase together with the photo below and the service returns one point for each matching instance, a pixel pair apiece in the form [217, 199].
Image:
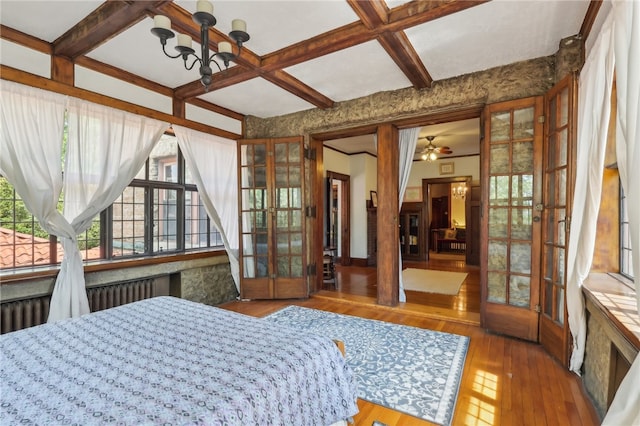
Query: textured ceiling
[302, 54]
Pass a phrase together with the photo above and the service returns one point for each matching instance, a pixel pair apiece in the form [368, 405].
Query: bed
[167, 360]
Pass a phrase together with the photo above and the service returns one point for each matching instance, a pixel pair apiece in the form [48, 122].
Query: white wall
[463, 166]
[363, 170]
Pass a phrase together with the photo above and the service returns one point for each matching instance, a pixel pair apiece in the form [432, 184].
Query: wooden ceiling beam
[234, 75]
[108, 20]
[419, 12]
[201, 103]
[589, 18]
[400, 18]
[298, 88]
[182, 21]
[398, 46]
[375, 14]
[111, 71]
[26, 40]
[22, 77]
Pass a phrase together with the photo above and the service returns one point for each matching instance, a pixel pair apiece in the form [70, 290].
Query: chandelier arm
[214, 61]
[164, 49]
[195, 60]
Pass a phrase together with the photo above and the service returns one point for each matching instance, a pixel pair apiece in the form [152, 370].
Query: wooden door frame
[390, 284]
[345, 216]
[426, 195]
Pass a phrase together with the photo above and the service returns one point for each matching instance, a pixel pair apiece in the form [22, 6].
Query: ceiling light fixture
[204, 17]
[459, 191]
[429, 151]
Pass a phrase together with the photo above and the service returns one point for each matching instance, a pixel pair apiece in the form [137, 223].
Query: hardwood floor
[505, 381]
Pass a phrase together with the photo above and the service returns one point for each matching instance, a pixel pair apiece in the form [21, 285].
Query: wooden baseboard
[359, 262]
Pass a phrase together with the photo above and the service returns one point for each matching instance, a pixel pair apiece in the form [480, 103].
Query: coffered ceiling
[302, 54]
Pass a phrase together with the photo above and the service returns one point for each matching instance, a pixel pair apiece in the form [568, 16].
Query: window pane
[23, 242]
[128, 223]
[165, 220]
[626, 258]
[89, 241]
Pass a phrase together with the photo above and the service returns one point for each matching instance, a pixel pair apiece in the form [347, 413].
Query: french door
[558, 180]
[272, 221]
[511, 237]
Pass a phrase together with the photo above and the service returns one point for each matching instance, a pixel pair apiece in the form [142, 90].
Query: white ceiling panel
[257, 97]
[273, 25]
[46, 20]
[351, 73]
[493, 34]
[147, 59]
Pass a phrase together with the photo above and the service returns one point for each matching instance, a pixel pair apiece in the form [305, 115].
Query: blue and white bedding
[170, 361]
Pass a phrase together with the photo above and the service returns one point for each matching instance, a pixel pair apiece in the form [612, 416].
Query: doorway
[337, 216]
[451, 229]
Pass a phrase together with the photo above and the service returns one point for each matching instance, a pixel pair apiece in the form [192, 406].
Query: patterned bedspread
[170, 361]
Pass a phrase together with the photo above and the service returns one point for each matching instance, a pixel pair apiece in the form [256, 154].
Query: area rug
[408, 369]
[430, 281]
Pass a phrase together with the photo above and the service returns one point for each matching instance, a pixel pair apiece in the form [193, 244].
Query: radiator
[19, 314]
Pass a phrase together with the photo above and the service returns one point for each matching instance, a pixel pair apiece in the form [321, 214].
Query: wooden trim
[318, 231]
[589, 18]
[18, 37]
[52, 272]
[18, 76]
[123, 75]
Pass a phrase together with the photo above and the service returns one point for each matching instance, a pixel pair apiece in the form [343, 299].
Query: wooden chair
[329, 268]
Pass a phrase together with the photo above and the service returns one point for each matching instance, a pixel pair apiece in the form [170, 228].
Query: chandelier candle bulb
[161, 21]
[184, 40]
[204, 6]
[224, 47]
[239, 25]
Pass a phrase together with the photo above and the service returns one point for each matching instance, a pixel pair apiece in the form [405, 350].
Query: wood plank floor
[505, 381]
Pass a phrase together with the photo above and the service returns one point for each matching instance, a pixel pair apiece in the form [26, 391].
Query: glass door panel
[556, 205]
[272, 220]
[511, 232]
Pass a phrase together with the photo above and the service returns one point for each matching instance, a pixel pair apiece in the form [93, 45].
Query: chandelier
[459, 191]
[204, 17]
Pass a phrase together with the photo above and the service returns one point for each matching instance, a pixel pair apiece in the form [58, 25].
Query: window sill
[617, 301]
[24, 274]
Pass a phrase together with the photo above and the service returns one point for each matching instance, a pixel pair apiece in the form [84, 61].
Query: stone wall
[518, 80]
[514, 81]
[596, 364]
[211, 285]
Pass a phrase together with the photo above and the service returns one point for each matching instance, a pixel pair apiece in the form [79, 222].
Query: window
[159, 212]
[626, 262]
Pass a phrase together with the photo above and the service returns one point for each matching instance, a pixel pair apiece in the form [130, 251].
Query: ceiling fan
[430, 151]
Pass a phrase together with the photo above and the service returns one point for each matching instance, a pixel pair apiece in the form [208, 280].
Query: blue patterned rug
[408, 369]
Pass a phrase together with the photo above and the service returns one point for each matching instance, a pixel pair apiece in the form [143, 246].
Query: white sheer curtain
[594, 108]
[31, 149]
[407, 141]
[106, 147]
[214, 168]
[625, 407]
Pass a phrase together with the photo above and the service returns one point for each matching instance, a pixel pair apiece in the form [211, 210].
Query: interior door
[272, 243]
[558, 180]
[511, 237]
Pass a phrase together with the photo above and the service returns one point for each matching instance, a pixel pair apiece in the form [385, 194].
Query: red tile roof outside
[18, 249]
